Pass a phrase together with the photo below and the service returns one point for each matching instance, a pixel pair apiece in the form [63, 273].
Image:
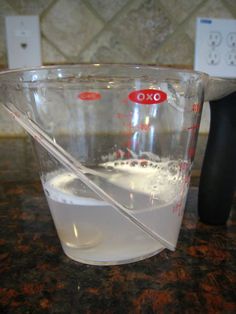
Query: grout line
[230, 8]
[13, 8]
[42, 16]
[108, 25]
[179, 27]
[93, 10]
[54, 46]
[48, 8]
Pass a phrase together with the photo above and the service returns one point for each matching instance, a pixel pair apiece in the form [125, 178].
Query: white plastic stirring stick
[76, 167]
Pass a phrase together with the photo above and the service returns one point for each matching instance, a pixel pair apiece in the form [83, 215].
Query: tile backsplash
[123, 31]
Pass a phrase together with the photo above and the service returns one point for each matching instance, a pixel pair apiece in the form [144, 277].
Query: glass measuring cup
[115, 146]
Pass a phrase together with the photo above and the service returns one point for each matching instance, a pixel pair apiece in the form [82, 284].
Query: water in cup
[91, 231]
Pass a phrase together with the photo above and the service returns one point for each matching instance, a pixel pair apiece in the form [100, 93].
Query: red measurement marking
[194, 126]
[196, 108]
[89, 96]
[127, 144]
[128, 123]
[123, 115]
[148, 96]
[144, 127]
[187, 179]
[117, 154]
[125, 101]
[129, 126]
[191, 152]
[183, 166]
[141, 127]
[177, 208]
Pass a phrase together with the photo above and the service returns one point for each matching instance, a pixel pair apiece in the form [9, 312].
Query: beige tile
[178, 50]
[51, 54]
[107, 8]
[144, 25]
[8, 126]
[70, 26]
[107, 48]
[180, 9]
[3, 59]
[31, 7]
[5, 9]
[212, 9]
[232, 5]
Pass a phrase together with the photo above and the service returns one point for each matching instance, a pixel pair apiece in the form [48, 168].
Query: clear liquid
[92, 232]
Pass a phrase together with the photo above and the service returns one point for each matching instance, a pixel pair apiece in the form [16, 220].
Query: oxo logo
[89, 96]
[148, 96]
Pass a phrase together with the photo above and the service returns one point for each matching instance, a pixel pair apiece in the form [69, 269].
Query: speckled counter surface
[36, 276]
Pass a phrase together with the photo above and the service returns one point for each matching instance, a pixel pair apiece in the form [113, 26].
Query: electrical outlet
[23, 41]
[215, 47]
[231, 58]
[231, 40]
[213, 57]
[214, 39]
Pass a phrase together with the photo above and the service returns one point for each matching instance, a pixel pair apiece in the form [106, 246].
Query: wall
[127, 31]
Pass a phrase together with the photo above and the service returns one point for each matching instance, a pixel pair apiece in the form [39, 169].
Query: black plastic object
[218, 175]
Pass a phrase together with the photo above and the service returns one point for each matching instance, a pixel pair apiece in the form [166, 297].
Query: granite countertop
[36, 276]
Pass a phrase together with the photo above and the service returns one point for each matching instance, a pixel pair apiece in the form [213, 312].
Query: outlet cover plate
[215, 47]
[23, 41]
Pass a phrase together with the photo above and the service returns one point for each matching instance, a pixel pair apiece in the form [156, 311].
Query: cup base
[109, 259]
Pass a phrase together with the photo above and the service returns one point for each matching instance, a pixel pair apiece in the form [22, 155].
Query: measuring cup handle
[218, 175]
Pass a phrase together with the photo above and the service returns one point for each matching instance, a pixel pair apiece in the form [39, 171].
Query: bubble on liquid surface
[161, 180]
[131, 182]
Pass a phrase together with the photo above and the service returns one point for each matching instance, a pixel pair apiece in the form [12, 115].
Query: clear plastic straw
[76, 167]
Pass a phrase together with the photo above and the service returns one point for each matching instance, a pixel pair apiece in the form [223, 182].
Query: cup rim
[8, 74]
